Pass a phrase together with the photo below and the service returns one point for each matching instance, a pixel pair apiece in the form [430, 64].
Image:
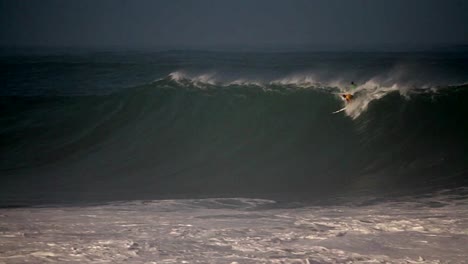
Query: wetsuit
[348, 97]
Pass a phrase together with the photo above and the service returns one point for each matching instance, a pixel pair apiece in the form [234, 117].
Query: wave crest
[368, 90]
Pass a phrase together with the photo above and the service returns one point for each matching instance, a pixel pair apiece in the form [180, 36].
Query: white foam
[299, 80]
[234, 230]
[365, 94]
[176, 76]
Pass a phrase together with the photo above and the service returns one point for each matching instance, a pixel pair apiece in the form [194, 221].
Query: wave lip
[371, 90]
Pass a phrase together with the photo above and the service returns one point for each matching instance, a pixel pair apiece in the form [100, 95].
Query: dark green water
[88, 127]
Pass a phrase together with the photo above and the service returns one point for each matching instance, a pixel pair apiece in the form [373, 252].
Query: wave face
[237, 128]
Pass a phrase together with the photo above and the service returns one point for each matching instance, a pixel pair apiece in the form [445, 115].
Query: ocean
[233, 157]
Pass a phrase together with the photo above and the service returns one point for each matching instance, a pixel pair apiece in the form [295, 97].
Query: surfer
[348, 96]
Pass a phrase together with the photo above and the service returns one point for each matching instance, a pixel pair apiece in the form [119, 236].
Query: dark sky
[210, 23]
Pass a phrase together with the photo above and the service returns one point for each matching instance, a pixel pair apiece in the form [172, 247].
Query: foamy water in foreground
[425, 229]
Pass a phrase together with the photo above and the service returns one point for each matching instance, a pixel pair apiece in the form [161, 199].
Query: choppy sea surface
[431, 228]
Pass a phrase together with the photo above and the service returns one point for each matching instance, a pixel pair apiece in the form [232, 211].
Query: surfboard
[341, 110]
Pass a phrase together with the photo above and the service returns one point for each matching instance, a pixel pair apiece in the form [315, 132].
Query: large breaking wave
[197, 124]
[198, 135]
